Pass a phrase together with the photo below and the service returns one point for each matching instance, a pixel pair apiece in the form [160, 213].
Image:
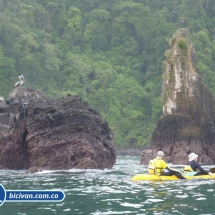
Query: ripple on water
[125, 204]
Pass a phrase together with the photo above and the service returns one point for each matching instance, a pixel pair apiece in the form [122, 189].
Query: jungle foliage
[109, 52]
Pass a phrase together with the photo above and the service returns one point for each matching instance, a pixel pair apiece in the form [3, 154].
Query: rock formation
[188, 120]
[38, 132]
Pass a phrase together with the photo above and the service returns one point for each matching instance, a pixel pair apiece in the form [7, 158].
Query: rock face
[188, 120]
[38, 132]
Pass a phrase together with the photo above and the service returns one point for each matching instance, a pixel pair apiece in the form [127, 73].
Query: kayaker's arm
[172, 170]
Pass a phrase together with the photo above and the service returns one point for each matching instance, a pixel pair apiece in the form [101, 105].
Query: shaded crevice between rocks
[25, 150]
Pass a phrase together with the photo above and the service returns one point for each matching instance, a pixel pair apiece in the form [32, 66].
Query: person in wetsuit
[195, 166]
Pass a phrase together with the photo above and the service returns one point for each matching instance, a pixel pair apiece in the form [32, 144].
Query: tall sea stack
[187, 123]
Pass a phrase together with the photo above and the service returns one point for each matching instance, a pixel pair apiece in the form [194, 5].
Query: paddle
[212, 170]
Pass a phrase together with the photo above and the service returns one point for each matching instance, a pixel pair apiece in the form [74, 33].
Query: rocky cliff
[40, 132]
[188, 120]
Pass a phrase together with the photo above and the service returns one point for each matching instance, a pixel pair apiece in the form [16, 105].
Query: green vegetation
[183, 44]
[110, 53]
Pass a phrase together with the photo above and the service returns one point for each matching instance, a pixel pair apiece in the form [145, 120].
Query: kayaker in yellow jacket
[158, 166]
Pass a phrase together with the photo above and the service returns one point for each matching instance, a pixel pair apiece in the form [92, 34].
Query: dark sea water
[105, 192]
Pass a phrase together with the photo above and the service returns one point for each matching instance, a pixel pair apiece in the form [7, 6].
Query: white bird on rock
[21, 82]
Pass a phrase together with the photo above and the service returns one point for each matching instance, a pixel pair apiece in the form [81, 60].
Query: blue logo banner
[2, 194]
[30, 195]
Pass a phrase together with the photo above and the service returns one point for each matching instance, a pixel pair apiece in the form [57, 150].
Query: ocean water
[110, 191]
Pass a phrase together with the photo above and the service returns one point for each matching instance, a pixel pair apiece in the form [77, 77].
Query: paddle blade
[212, 170]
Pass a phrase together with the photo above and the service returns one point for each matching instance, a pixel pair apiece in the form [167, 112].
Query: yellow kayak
[147, 177]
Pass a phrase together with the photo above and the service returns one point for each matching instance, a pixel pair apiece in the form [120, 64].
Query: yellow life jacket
[156, 166]
[151, 167]
[187, 168]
